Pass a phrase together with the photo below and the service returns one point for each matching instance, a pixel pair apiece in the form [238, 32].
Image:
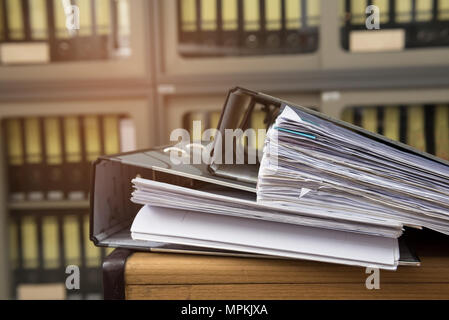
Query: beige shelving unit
[157, 86]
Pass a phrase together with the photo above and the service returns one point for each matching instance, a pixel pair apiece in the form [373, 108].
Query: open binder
[112, 212]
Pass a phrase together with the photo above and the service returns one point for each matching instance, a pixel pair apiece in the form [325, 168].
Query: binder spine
[15, 158]
[442, 131]
[44, 169]
[4, 34]
[208, 26]
[34, 167]
[231, 23]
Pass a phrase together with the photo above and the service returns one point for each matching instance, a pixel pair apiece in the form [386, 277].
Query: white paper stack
[324, 193]
[233, 220]
[312, 163]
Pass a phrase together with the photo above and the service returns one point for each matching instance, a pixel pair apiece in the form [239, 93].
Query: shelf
[50, 205]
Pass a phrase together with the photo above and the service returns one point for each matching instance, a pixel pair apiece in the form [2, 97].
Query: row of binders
[30, 20]
[324, 190]
[421, 126]
[294, 14]
[35, 31]
[235, 27]
[213, 15]
[397, 11]
[49, 158]
[210, 15]
[51, 241]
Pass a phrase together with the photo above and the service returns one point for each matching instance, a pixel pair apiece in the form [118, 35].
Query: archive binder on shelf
[48, 161]
[424, 23]
[49, 157]
[54, 156]
[421, 126]
[112, 212]
[15, 152]
[47, 166]
[40, 25]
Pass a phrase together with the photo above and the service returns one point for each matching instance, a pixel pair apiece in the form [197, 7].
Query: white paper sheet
[263, 237]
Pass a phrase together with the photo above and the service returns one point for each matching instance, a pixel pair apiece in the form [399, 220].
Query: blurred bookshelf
[35, 31]
[425, 23]
[48, 170]
[411, 34]
[49, 157]
[167, 63]
[234, 37]
[198, 121]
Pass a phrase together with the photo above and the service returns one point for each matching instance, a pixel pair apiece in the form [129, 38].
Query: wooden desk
[137, 275]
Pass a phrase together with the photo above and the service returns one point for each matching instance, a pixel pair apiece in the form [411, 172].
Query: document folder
[112, 212]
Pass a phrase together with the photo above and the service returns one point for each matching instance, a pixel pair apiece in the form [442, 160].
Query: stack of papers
[324, 193]
[312, 163]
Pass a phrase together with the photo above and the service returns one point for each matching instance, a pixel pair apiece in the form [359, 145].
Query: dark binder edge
[407, 253]
[114, 274]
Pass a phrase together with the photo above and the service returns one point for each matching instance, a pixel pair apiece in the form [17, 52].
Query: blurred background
[135, 70]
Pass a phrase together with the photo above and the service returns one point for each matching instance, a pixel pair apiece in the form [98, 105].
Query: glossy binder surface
[49, 157]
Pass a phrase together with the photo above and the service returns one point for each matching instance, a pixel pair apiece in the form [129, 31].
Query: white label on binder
[377, 40]
[127, 135]
[330, 96]
[24, 53]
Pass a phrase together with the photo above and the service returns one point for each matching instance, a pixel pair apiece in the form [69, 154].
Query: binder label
[379, 40]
